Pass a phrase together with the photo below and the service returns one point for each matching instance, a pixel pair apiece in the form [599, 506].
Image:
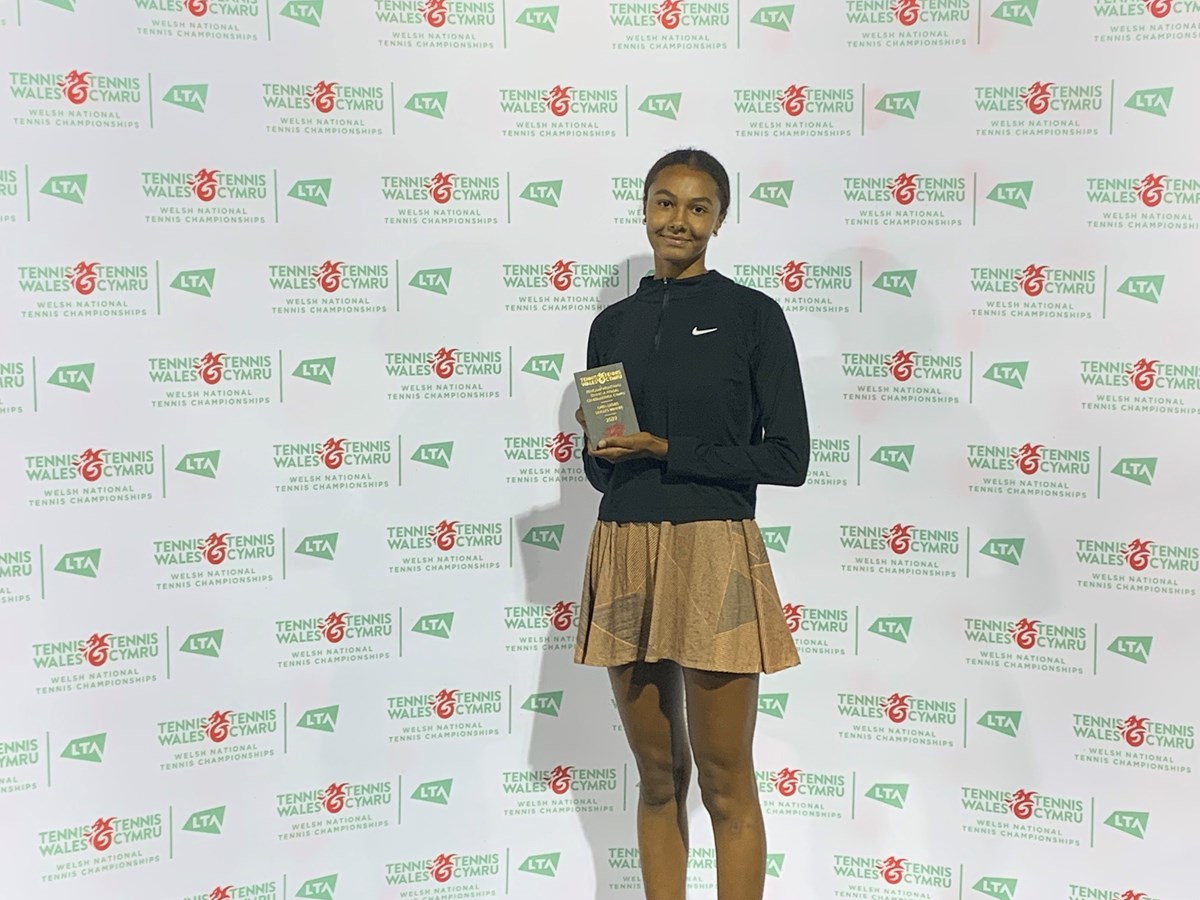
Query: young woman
[679, 602]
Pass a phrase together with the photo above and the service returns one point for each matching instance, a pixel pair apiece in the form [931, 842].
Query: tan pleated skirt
[699, 593]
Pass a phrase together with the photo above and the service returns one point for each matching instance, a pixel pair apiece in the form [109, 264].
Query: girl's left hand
[640, 445]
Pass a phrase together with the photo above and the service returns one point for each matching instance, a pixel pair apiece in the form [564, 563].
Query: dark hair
[693, 159]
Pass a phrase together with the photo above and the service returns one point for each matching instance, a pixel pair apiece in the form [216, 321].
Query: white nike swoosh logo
[698, 330]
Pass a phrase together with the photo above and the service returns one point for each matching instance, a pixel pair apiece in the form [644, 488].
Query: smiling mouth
[674, 240]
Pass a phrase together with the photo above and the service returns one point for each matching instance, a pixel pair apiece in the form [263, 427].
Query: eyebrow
[667, 193]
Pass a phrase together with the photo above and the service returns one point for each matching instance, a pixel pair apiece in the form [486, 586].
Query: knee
[727, 787]
[663, 780]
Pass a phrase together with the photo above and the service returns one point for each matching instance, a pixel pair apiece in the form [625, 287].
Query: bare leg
[721, 712]
[650, 700]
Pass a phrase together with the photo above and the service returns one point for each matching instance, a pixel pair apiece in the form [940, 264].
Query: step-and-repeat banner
[294, 516]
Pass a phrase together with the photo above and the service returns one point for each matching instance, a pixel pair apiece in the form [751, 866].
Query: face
[682, 213]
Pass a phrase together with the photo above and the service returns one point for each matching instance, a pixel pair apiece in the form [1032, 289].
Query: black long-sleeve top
[712, 368]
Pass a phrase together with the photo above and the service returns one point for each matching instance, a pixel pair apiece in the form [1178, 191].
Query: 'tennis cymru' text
[1049, 637]
[117, 464]
[460, 13]
[101, 88]
[806, 784]
[216, 8]
[1051, 461]
[16, 564]
[19, 753]
[1159, 556]
[583, 102]
[357, 796]
[645, 15]
[237, 547]
[59, 841]
[466, 534]
[12, 375]
[929, 190]
[121, 648]
[920, 712]
[915, 874]
[355, 453]
[466, 703]
[353, 277]
[816, 277]
[466, 362]
[1063, 98]
[825, 620]
[830, 450]
[359, 626]
[1158, 734]
[583, 275]
[1125, 190]
[193, 731]
[879, 12]
[816, 101]
[1056, 281]
[480, 865]
[922, 540]
[57, 279]
[1050, 809]
[347, 98]
[537, 782]
[230, 186]
[1167, 376]
[464, 188]
[925, 366]
[233, 368]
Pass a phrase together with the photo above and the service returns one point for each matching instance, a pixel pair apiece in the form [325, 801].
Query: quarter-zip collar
[651, 289]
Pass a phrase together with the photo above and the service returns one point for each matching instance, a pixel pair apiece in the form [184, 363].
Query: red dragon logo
[442, 867]
[75, 86]
[904, 188]
[559, 780]
[434, 12]
[786, 781]
[83, 277]
[896, 707]
[204, 185]
[90, 464]
[197, 8]
[560, 615]
[216, 728]
[1032, 280]
[333, 627]
[332, 453]
[793, 99]
[1150, 190]
[443, 362]
[891, 869]
[669, 14]
[1160, 9]
[1143, 375]
[899, 538]
[907, 12]
[444, 703]
[1036, 97]
[1024, 633]
[558, 101]
[1020, 803]
[95, 651]
[1132, 894]
[901, 365]
[221, 893]
[561, 276]
[440, 187]
[444, 536]
[561, 446]
[329, 276]
[215, 548]
[1137, 554]
[1028, 458]
[333, 798]
[1133, 730]
[791, 276]
[100, 834]
[210, 368]
[793, 613]
[322, 96]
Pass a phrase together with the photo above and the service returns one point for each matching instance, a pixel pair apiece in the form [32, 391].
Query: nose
[677, 218]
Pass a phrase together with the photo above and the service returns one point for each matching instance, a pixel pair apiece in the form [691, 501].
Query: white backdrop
[294, 515]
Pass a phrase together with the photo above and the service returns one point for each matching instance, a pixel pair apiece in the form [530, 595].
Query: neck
[678, 269]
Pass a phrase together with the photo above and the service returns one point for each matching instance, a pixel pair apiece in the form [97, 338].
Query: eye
[699, 210]
[664, 202]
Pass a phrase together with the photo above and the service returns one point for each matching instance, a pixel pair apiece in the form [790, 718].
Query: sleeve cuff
[681, 454]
